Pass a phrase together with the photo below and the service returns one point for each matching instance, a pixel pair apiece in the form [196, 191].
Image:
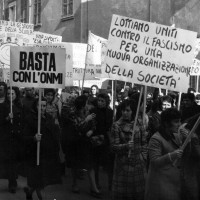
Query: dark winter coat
[163, 179]
[48, 171]
[10, 137]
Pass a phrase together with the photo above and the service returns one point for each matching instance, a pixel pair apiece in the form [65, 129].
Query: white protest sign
[195, 68]
[197, 47]
[79, 57]
[102, 83]
[68, 64]
[37, 67]
[16, 27]
[44, 38]
[149, 54]
[6, 74]
[12, 34]
[75, 61]
[93, 50]
[79, 54]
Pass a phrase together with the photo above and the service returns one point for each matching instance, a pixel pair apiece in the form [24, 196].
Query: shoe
[97, 195]
[12, 190]
[75, 189]
[28, 194]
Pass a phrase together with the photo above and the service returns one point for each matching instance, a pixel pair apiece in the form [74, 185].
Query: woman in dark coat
[104, 119]
[11, 137]
[164, 179]
[77, 128]
[48, 172]
[190, 165]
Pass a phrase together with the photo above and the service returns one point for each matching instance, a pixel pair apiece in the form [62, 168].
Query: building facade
[72, 19]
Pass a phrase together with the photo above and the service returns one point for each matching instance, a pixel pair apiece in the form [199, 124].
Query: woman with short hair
[163, 103]
[164, 179]
[129, 171]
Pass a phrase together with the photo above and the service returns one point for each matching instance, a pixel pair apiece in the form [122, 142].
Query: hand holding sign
[38, 137]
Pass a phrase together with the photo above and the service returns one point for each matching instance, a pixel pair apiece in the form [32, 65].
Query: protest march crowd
[149, 164]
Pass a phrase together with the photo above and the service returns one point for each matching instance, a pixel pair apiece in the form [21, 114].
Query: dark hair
[189, 96]
[49, 90]
[86, 91]
[92, 101]
[165, 98]
[80, 102]
[17, 101]
[5, 87]
[132, 91]
[197, 97]
[136, 97]
[190, 90]
[169, 115]
[131, 103]
[105, 97]
[35, 104]
[97, 89]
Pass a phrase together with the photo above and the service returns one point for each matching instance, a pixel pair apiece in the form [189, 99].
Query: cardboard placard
[149, 54]
[37, 67]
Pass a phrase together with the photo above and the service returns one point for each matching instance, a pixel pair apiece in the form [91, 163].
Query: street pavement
[57, 192]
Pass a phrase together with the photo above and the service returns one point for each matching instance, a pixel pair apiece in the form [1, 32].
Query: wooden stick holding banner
[39, 125]
[11, 104]
[179, 100]
[80, 89]
[83, 78]
[86, 58]
[124, 85]
[187, 140]
[136, 117]
[41, 79]
[197, 89]
[114, 83]
[144, 107]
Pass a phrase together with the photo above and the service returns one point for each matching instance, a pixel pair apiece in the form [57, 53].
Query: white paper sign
[37, 67]
[13, 34]
[149, 54]
[68, 64]
[44, 38]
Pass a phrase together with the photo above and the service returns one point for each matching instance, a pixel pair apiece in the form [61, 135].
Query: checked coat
[129, 172]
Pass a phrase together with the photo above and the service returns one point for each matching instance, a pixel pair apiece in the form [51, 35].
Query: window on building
[67, 8]
[10, 12]
[37, 12]
[24, 11]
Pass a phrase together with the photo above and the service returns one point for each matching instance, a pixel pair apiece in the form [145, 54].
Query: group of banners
[136, 51]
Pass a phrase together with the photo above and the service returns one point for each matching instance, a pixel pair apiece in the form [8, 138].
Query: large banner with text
[149, 54]
[37, 67]
[13, 34]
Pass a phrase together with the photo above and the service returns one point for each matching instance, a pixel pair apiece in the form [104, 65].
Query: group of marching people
[19, 138]
[147, 163]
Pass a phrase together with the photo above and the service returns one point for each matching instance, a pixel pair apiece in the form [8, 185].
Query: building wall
[188, 17]
[52, 21]
[95, 15]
